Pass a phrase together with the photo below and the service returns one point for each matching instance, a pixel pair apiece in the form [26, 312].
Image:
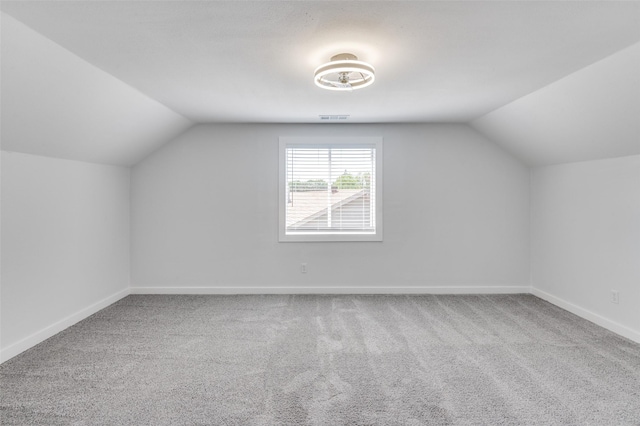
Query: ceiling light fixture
[344, 72]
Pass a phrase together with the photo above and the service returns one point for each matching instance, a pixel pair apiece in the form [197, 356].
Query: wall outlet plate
[615, 297]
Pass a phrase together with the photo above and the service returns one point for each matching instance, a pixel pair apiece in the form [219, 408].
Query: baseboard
[32, 340]
[230, 290]
[55, 328]
[610, 325]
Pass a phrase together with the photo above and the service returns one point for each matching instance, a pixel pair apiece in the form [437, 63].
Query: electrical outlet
[303, 268]
[615, 297]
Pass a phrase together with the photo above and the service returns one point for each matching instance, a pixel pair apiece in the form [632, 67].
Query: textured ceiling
[253, 61]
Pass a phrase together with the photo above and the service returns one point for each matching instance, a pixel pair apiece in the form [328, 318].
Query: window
[331, 189]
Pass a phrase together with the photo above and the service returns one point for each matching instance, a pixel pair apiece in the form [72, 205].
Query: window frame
[325, 143]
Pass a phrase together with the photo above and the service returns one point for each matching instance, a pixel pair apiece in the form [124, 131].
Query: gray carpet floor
[326, 360]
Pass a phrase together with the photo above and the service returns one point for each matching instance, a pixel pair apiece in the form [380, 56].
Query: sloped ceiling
[591, 114]
[109, 81]
[56, 104]
[236, 61]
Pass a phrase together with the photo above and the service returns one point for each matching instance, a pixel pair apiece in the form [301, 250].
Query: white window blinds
[330, 190]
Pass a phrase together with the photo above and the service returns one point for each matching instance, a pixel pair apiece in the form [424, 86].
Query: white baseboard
[230, 290]
[617, 328]
[55, 328]
[32, 340]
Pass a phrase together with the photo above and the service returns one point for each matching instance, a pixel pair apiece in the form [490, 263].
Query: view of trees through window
[344, 181]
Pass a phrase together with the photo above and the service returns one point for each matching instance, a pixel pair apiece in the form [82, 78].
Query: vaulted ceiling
[591, 114]
[126, 76]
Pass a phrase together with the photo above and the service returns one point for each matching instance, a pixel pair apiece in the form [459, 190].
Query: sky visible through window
[328, 164]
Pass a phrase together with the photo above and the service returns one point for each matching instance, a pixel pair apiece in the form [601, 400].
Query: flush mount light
[344, 72]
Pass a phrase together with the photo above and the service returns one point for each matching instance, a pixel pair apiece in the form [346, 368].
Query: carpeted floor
[326, 360]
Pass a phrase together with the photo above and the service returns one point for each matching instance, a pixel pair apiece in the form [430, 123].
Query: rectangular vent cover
[333, 117]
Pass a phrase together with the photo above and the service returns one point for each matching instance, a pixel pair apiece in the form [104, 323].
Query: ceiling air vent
[333, 117]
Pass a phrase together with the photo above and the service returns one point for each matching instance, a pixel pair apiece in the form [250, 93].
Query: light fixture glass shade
[345, 72]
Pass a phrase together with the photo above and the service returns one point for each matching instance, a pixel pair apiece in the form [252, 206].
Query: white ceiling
[57, 105]
[254, 61]
[591, 114]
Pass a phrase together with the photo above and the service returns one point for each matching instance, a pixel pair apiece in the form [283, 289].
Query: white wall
[586, 239]
[65, 245]
[204, 214]
[588, 115]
